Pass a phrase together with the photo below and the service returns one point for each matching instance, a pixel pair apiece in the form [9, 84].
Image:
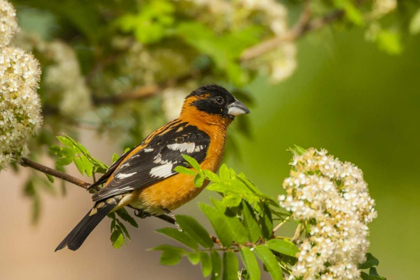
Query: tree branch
[25, 162]
[303, 26]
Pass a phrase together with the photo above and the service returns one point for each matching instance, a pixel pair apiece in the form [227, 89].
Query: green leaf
[117, 239]
[65, 141]
[195, 230]
[211, 176]
[266, 222]
[193, 257]
[251, 263]
[230, 266]
[370, 262]
[231, 200]
[250, 223]
[87, 166]
[216, 262]
[235, 225]
[67, 156]
[49, 177]
[123, 214]
[179, 236]
[79, 164]
[219, 223]
[183, 170]
[115, 157]
[224, 173]
[123, 229]
[199, 180]
[170, 255]
[415, 23]
[192, 162]
[205, 264]
[282, 246]
[269, 260]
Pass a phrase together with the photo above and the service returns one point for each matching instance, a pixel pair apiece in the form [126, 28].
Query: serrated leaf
[79, 164]
[183, 170]
[170, 255]
[198, 181]
[251, 263]
[370, 261]
[233, 222]
[123, 214]
[117, 239]
[123, 229]
[224, 173]
[250, 223]
[282, 246]
[216, 262]
[266, 222]
[179, 236]
[195, 230]
[65, 141]
[219, 223]
[269, 260]
[193, 257]
[115, 157]
[192, 162]
[230, 266]
[87, 166]
[206, 266]
[231, 200]
[211, 176]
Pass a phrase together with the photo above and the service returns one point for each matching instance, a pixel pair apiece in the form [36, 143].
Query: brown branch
[303, 26]
[25, 162]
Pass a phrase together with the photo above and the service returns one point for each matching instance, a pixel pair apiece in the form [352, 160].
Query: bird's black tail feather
[78, 235]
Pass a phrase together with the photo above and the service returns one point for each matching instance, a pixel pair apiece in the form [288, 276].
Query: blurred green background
[363, 106]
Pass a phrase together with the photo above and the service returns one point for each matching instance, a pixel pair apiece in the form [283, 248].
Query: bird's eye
[219, 100]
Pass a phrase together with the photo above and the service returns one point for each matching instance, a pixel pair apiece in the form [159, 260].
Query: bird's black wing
[157, 160]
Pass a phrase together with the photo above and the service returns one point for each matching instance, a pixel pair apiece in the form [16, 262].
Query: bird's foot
[172, 216]
[141, 214]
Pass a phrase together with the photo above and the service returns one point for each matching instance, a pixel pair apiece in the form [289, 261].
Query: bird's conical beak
[237, 108]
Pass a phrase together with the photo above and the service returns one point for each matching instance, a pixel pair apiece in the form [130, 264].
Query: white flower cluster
[8, 23]
[20, 106]
[332, 198]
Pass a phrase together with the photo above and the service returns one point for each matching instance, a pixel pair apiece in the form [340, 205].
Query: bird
[144, 177]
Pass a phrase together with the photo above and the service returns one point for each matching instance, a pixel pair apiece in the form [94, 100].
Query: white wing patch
[123, 176]
[162, 171]
[124, 165]
[148, 150]
[181, 147]
[199, 148]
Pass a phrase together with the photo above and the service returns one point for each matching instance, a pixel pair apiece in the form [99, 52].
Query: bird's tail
[78, 235]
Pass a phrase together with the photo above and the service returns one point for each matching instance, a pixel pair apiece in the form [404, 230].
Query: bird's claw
[141, 214]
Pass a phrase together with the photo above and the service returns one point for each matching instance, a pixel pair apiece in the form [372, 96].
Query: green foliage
[74, 152]
[150, 24]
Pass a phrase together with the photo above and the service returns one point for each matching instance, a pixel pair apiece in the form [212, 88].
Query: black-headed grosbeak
[144, 177]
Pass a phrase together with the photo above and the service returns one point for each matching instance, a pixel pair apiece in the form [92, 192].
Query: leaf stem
[281, 224]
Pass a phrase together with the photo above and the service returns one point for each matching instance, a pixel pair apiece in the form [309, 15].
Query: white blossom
[8, 23]
[20, 105]
[333, 199]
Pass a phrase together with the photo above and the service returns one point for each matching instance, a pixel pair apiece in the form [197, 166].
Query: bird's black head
[216, 100]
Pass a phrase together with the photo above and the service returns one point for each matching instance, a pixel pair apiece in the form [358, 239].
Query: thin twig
[55, 173]
[297, 232]
[281, 224]
[303, 26]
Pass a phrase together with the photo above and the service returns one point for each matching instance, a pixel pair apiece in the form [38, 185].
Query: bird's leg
[169, 217]
[141, 214]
